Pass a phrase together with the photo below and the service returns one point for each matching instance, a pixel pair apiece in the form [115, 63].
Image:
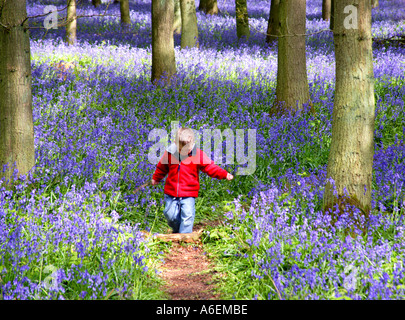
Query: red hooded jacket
[183, 176]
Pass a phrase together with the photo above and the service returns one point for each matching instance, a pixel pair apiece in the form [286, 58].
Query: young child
[182, 161]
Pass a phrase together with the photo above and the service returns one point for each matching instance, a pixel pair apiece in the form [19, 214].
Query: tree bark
[16, 121]
[96, 3]
[273, 26]
[163, 58]
[209, 6]
[125, 18]
[202, 5]
[242, 19]
[374, 3]
[181, 237]
[71, 26]
[189, 33]
[332, 14]
[326, 5]
[351, 154]
[177, 17]
[292, 88]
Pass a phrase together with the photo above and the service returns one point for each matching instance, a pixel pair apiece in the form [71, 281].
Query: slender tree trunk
[208, 6]
[326, 9]
[273, 26]
[96, 3]
[212, 7]
[242, 19]
[351, 154]
[189, 34]
[332, 14]
[16, 121]
[71, 25]
[177, 17]
[163, 59]
[374, 3]
[125, 18]
[202, 5]
[292, 89]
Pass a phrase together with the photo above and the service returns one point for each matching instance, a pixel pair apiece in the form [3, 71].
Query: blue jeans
[180, 213]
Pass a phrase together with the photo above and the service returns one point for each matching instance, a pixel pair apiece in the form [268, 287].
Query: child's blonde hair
[184, 136]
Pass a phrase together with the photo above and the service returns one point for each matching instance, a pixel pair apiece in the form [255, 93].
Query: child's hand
[154, 183]
[229, 177]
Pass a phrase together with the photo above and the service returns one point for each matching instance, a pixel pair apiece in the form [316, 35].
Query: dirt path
[188, 272]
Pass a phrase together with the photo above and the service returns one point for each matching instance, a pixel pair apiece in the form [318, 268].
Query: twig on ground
[142, 186]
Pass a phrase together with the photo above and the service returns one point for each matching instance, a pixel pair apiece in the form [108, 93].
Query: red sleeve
[162, 168]
[209, 167]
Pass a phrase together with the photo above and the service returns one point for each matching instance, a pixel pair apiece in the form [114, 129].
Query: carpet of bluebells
[73, 229]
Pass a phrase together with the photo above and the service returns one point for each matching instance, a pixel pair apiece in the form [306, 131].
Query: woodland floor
[188, 272]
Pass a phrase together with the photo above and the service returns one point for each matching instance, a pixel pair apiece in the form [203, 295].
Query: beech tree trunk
[71, 26]
[351, 154]
[201, 5]
[292, 89]
[163, 59]
[208, 6]
[242, 19]
[189, 33]
[332, 14]
[326, 6]
[16, 121]
[374, 3]
[273, 26]
[96, 3]
[177, 17]
[125, 18]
